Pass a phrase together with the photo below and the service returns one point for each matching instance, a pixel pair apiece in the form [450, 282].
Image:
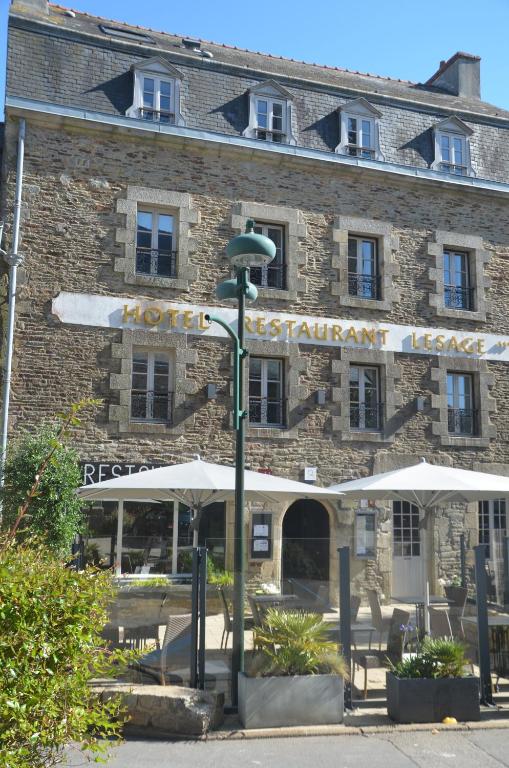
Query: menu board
[365, 533]
[261, 536]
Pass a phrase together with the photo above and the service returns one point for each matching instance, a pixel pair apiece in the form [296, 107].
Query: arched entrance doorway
[305, 548]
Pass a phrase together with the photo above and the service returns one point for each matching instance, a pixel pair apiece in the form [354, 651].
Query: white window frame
[452, 129]
[495, 510]
[359, 110]
[362, 369]
[151, 358]
[154, 244]
[413, 540]
[271, 133]
[460, 401]
[359, 148]
[465, 284]
[375, 274]
[264, 381]
[155, 110]
[455, 165]
[159, 71]
[273, 93]
[263, 228]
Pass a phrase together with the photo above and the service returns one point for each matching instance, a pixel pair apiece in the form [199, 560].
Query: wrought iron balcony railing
[462, 421]
[152, 406]
[366, 418]
[456, 297]
[267, 412]
[158, 263]
[271, 276]
[278, 137]
[364, 286]
[356, 151]
[455, 168]
[157, 115]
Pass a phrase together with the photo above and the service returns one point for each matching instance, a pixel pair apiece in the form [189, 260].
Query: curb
[233, 733]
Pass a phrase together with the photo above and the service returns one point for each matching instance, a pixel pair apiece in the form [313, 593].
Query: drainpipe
[13, 259]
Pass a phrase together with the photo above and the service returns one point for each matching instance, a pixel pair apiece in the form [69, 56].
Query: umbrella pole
[425, 570]
[120, 532]
[175, 538]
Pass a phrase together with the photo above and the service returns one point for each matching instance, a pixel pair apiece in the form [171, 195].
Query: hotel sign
[161, 317]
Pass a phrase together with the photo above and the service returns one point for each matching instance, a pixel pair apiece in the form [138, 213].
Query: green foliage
[221, 578]
[154, 581]
[55, 510]
[50, 649]
[438, 657]
[217, 575]
[295, 643]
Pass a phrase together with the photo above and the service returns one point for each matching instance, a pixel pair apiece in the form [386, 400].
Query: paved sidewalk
[439, 749]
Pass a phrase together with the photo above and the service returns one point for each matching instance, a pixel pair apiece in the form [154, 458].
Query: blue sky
[399, 38]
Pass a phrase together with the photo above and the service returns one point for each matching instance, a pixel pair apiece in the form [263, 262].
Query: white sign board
[161, 317]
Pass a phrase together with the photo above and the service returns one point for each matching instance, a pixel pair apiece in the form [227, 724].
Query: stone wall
[73, 182]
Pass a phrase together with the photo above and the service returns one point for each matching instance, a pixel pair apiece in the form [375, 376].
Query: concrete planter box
[274, 702]
[417, 700]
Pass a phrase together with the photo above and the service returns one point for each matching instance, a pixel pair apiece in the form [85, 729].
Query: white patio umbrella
[196, 484]
[427, 486]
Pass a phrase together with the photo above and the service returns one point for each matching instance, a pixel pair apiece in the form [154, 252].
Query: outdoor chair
[172, 662]
[139, 637]
[393, 654]
[379, 620]
[254, 610]
[355, 604]
[439, 623]
[457, 604]
[175, 651]
[249, 622]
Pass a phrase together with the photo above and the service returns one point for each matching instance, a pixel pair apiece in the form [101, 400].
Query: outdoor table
[356, 628]
[418, 601]
[278, 597]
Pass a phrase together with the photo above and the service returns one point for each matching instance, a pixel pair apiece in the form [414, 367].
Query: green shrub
[50, 649]
[438, 657]
[55, 510]
[295, 643]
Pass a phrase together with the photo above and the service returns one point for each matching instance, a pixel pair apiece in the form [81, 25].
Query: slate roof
[273, 66]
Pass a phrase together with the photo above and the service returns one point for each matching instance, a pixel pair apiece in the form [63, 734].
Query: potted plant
[296, 675]
[453, 590]
[430, 684]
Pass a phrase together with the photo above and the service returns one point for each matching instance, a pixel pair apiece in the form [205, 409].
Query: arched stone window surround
[388, 245]
[176, 345]
[295, 231]
[186, 217]
[390, 372]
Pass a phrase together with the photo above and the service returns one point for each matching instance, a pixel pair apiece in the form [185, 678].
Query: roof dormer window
[156, 96]
[452, 150]
[359, 130]
[270, 114]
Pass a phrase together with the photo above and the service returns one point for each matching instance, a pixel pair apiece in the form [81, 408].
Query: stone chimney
[460, 75]
[33, 7]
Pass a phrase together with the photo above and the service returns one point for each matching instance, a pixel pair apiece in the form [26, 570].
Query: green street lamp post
[244, 251]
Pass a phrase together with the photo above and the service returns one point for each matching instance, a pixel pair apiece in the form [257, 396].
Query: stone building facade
[380, 336]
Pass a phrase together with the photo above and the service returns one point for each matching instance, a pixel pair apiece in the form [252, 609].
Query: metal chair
[175, 650]
[228, 621]
[439, 623]
[377, 659]
[379, 621]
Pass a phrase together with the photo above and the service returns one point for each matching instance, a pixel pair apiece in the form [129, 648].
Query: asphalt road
[454, 749]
